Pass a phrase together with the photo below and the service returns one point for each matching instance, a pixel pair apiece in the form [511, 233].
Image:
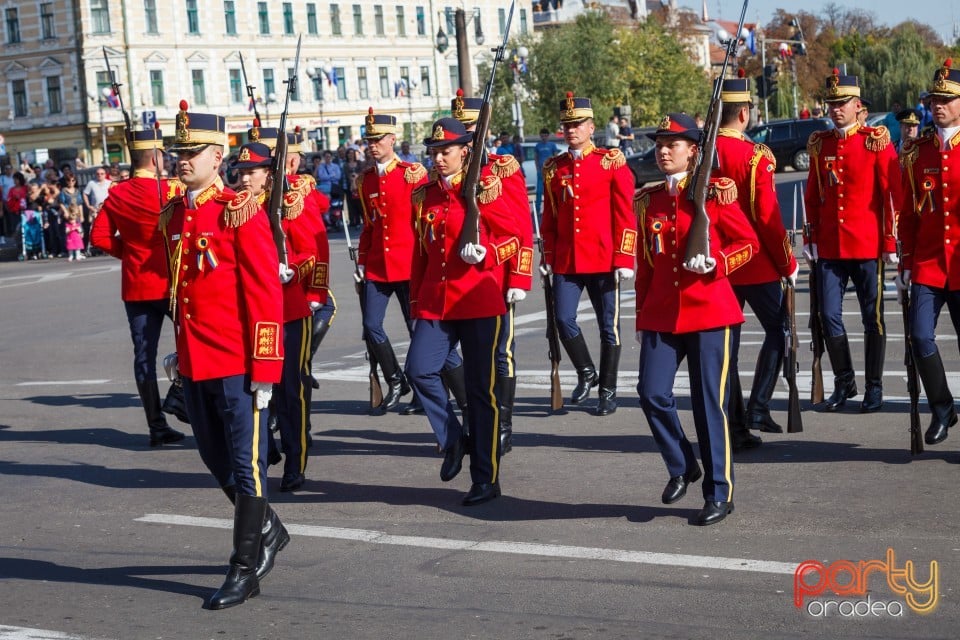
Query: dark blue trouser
[769, 305]
[433, 340]
[146, 321]
[708, 356]
[867, 277]
[227, 426]
[604, 292]
[506, 366]
[925, 305]
[376, 295]
[293, 395]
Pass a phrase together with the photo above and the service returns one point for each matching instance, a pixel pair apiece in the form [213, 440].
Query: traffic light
[766, 83]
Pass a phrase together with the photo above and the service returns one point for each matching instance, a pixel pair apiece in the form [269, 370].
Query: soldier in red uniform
[929, 227]
[759, 283]
[851, 193]
[386, 250]
[589, 242]
[517, 273]
[687, 310]
[227, 303]
[456, 296]
[127, 229]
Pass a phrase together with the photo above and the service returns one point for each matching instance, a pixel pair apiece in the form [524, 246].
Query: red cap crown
[948, 62]
[183, 105]
[836, 71]
[459, 93]
[569, 94]
[741, 73]
[256, 122]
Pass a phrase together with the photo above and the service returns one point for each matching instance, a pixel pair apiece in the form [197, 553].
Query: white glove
[262, 392]
[624, 274]
[639, 337]
[360, 274]
[171, 364]
[515, 295]
[546, 269]
[890, 259]
[473, 253]
[286, 274]
[315, 306]
[810, 252]
[700, 264]
[792, 278]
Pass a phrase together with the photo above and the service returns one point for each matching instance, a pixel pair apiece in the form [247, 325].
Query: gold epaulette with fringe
[613, 159]
[814, 142]
[764, 151]
[878, 138]
[724, 190]
[419, 195]
[358, 182]
[504, 166]
[175, 188]
[166, 213]
[240, 209]
[642, 200]
[293, 204]
[414, 173]
[909, 152]
[490, 188]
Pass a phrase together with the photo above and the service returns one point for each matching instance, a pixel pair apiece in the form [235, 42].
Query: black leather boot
[939, 398]
[160, 431]
[583, 363]
[413, 407]
[241, 582]
[506, 391]
[875, 346]
[609, 363]
[844, 384]
[740, 436]
[764, 382]
[457, 385]
[275, 536]
[175, 404]
[320, 328]
[397, 385]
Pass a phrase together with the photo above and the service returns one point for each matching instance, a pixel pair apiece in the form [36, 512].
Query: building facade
[354, 54]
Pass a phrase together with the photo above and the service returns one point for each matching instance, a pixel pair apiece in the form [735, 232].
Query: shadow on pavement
[100, 436]
[28, 569]
[793, 451]
[101, 476]
[88, 400]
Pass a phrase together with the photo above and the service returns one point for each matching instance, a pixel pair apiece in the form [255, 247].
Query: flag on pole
[112, 99]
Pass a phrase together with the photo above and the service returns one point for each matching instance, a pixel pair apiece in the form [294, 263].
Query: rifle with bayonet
[817, 345]
[913, 382]
[553, 337]
[470, 234]
[376, 391]
[698, 239]
[250, 88]
[115, 90]
[280, 183]
[791, 364]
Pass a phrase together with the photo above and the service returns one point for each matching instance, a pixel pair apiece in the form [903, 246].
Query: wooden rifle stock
[791, 365]
[470, 233]
[816, 333]
[913, 381]
[553, 340]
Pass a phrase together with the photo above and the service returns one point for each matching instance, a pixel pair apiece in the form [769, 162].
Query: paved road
[102, 537]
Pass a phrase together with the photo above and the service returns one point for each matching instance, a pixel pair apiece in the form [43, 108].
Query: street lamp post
[317, 74]
[271, 99]
[103, 125]
[463, 50]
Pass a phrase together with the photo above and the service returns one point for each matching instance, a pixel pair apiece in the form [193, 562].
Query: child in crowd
[74, 230]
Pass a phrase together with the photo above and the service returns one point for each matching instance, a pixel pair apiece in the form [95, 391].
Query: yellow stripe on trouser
[878, 314]
[724, 375]
[508, 347]
[493, 403]
[616, 310]
[305, 335]
[255, 458]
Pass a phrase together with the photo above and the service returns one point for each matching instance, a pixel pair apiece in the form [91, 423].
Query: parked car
[529, 163]
[644, 167]
[787, 140]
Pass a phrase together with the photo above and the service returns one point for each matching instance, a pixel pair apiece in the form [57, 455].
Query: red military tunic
[588, 222]
[929, 223]
[517, 272]
[751, 167]
[308, 251]
[387, 240]
[132, 209]
[853, 184]
[228, 300]
[442, 285]
[670, 298]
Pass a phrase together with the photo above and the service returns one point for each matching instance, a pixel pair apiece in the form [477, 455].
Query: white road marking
[40, 278]
[24, 633]
[55, 383]
[496, 546]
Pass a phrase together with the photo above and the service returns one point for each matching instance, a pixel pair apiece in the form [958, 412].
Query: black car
[787, 140]
[644, 167]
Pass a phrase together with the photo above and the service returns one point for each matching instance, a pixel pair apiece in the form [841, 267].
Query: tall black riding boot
[275, 536]
[456, 384]
[320, 328]
[175, 404]
[506, 391]
[397, 385]
[241, 582]
[609, 363]
[875, 346]
[160, 431]
[764, 382]
[586, 373]
[844, 383]
[939, 398]
[740, 436]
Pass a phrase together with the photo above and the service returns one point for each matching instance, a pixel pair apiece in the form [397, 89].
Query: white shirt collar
[946, 133]
[673, 182]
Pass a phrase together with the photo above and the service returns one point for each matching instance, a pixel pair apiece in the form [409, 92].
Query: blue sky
[940, 16]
